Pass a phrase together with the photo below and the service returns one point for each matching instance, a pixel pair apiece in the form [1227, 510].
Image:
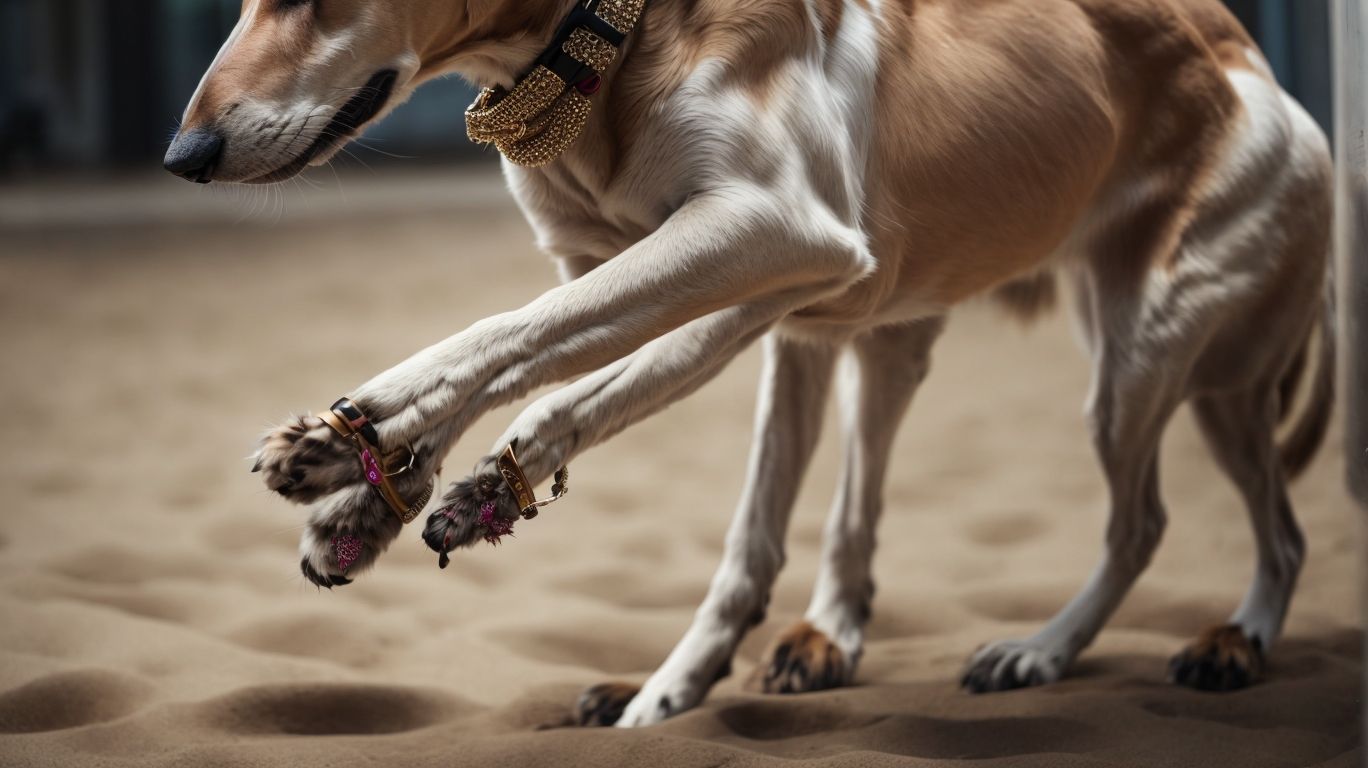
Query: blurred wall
[1351, 49]
[101, 83]
[1295, 36]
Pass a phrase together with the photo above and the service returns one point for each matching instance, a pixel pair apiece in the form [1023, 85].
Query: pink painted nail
[495, 527]
[347, 550]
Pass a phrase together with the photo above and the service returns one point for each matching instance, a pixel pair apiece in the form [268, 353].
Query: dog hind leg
[1239, 428]
[1140, 379]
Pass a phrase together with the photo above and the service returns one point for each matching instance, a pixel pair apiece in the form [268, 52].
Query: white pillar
[1351, 246]
[1351, 242]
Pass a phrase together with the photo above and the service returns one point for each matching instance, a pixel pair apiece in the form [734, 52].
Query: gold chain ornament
[545, 112]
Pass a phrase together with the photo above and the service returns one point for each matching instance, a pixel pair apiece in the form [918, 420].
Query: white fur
[789, 413]
[881, 373]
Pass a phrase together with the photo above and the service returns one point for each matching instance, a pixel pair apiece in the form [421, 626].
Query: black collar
[568, 68]
[544, 113]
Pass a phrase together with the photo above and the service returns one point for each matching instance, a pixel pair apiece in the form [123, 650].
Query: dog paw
[325, 578]
[801, 660]
[1011, 664]
[345, 535]
[602, 705]
[304, 460]
[1223, 658]
[480, 507]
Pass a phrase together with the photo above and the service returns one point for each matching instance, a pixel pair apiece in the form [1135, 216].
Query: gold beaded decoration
[543, 116]
[622, 14]
[590, 49]
[507, 117]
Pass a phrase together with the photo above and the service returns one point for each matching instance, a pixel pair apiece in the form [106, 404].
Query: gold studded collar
[545, 112]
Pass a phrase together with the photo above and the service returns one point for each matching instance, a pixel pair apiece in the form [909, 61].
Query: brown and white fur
[835, 176]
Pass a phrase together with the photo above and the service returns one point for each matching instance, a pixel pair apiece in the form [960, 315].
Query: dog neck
[493, 42]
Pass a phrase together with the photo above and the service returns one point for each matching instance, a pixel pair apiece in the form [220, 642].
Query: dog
[833, 177]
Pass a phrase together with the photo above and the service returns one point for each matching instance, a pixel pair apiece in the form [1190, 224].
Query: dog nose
[194, 155]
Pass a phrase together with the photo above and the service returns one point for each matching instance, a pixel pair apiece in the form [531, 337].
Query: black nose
[194, 155]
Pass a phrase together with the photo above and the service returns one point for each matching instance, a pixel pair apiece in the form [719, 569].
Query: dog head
[298, 79]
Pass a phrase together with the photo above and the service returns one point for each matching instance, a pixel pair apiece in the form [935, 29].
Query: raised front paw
[1012, 664]
[479, 508]
[1221, 659]
[305, 460]
[803, 659]
[602, 705]
[345, 535]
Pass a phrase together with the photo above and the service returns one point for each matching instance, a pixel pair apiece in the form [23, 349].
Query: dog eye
[286, 5]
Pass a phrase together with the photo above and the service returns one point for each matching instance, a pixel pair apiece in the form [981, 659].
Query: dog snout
[195, 154]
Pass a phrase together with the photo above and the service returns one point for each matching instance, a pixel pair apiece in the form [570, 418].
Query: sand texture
[152, 613]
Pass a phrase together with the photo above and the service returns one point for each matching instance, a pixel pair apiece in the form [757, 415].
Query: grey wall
[1352, 224]
[100, 83]
[1295, 36]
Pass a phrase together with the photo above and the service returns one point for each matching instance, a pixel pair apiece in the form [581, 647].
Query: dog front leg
[793, 391]
[721, 249]
[559, 426]
[877, 383]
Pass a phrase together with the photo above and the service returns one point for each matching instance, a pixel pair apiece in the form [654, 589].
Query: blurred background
[100, 84]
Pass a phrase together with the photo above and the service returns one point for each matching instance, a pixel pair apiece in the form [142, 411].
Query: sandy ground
[152, 614]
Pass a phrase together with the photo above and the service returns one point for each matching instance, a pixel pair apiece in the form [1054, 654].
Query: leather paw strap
[348, 421]
[357, 421]
[513, 474]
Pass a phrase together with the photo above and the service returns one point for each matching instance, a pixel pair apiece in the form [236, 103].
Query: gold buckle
[405, 511]
[513, 474]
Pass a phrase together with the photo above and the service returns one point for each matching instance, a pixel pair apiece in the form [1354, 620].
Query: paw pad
[1222, 659]
[602, 705]
[475, 509]
[802, 660]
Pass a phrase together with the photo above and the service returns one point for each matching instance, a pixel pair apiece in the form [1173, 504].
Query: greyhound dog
[833, 176]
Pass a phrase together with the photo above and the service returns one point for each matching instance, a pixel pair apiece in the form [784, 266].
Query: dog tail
[1027, 298]
[1307, 434]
